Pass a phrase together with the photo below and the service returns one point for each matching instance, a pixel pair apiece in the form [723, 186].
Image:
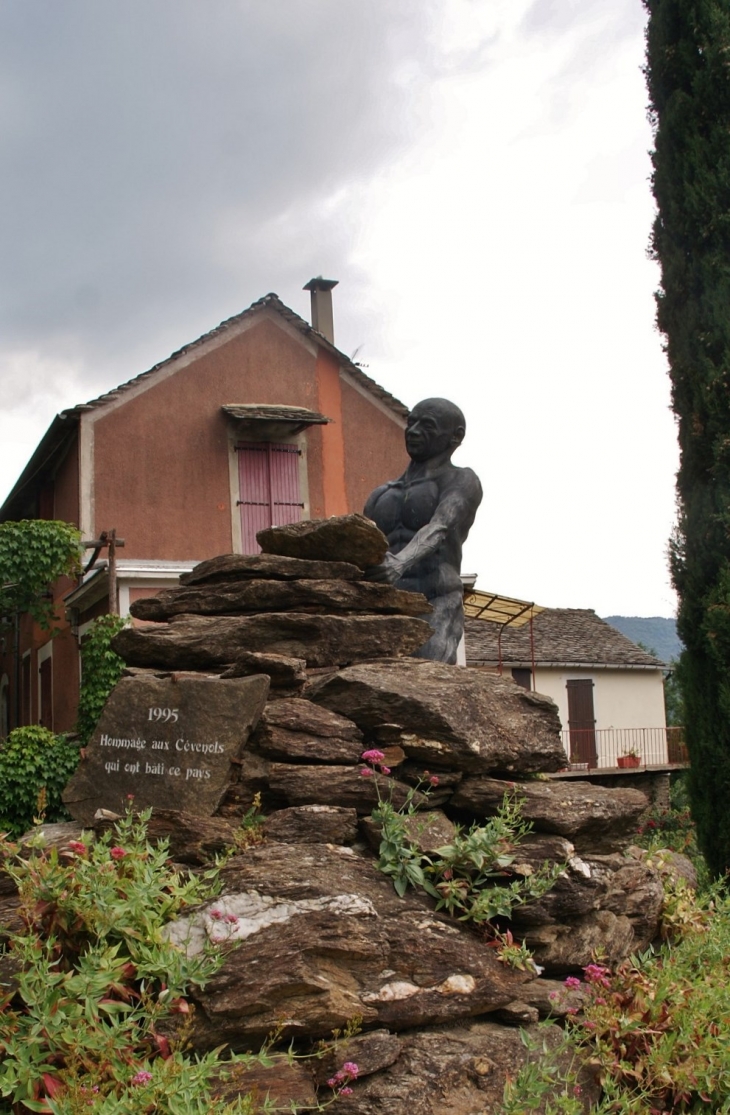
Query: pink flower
[345, 1091]
[373, 756]
[366, 772]
[217, 914]
[572, 981]
[117, 853]
[332, 1083]
[385, 770]
[232, 919]
[434, 780]
[600, 1000]
[577, 1090]
[130, 797]
[142, 1077]
[596, 973]
[77, 847]
[351, 1069]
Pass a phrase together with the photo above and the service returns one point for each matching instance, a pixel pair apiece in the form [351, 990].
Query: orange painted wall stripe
[329, 396]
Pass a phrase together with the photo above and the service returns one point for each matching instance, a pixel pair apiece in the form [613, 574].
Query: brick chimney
[320, 291]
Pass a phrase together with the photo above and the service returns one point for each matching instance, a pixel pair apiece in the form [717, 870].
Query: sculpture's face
[431, 430]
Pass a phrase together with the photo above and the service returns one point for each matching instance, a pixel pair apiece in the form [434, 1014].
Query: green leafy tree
[33, 554]
[688, 74]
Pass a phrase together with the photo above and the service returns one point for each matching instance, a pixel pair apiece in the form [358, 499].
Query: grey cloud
[129, 131]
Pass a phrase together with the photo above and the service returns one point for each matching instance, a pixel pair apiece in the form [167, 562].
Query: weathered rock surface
[449, 716]
[241, 567]
[343, 786]
[321, 937]
[458, 1070]
[350, 538]
[193, 840]
[566, 947]
[295, 729]
[312, 824]
[427, 831]
[169, 743]
[248, 597]
[593, 818]
[283, 672]
[202, 642]
[370, 1052]
[272, 1087]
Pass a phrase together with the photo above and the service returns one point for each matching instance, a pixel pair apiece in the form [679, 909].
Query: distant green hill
[655, 632]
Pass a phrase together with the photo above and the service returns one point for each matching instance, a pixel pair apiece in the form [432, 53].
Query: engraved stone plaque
[168, 742]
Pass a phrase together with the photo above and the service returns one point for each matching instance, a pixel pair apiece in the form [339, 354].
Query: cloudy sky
[474, 172]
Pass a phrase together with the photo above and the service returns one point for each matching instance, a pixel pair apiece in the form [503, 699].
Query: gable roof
[54, 443]
[562, 637]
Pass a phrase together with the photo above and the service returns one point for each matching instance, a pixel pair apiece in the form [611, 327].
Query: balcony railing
[601, 748]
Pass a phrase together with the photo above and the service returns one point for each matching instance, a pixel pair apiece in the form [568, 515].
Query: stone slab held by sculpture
[426, 515]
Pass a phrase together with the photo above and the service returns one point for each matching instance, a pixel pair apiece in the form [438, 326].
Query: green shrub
[101, 669]
[656, 1032]
[98, 980]
[35, 766]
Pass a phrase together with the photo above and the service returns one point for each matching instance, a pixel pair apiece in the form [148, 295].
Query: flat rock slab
[294, 729]
[349, 538]
[595, 818]
[253, 596]
[339, 785]
[312, 824]
[449, 716]
[205, 642]
[322, 937]
[241, 567]
[192, 839]
[459, 1070]
[283, 672]
[169, 743]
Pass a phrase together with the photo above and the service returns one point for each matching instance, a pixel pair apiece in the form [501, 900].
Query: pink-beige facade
[262, 420]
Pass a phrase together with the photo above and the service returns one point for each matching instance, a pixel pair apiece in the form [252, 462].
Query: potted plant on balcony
[630, 758]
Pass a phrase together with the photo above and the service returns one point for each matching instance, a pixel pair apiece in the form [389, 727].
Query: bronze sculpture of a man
[426, 515]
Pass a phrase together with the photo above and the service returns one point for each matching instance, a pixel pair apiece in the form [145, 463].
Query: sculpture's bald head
[433, 427]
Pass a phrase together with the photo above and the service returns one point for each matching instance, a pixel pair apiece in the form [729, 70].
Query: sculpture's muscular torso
[426, 515]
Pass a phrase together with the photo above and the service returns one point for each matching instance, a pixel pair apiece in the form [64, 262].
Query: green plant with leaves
[33, 554]
[35, 765]
[655, 1032]
[100, 986]
[101, 669]
[474, 877]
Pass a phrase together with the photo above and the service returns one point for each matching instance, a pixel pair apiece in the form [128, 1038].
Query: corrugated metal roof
[494, 608]
[562, 637]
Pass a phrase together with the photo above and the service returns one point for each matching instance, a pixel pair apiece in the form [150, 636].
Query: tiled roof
[562, 636]
[62, 429]
[272, 302]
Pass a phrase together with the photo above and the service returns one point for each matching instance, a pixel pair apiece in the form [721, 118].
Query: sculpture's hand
[390, 571]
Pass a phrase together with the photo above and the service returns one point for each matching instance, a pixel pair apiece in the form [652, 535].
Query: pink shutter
[268, 478]
[255, 501]
[284, 471]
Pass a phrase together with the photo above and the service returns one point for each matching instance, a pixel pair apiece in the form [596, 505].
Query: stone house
[259, 422]
[609, 692]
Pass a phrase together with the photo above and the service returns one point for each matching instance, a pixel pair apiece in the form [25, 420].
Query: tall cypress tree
[688, 75]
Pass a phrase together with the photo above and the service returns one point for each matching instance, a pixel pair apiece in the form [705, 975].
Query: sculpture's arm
[455, 513]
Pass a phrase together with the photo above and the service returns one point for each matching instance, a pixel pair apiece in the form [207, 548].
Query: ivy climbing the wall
[101, 669]
[33, 554]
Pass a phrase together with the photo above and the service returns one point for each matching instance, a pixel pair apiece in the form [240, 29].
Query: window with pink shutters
[268, 476]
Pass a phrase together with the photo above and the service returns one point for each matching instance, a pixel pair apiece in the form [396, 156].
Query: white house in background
[609, 692]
